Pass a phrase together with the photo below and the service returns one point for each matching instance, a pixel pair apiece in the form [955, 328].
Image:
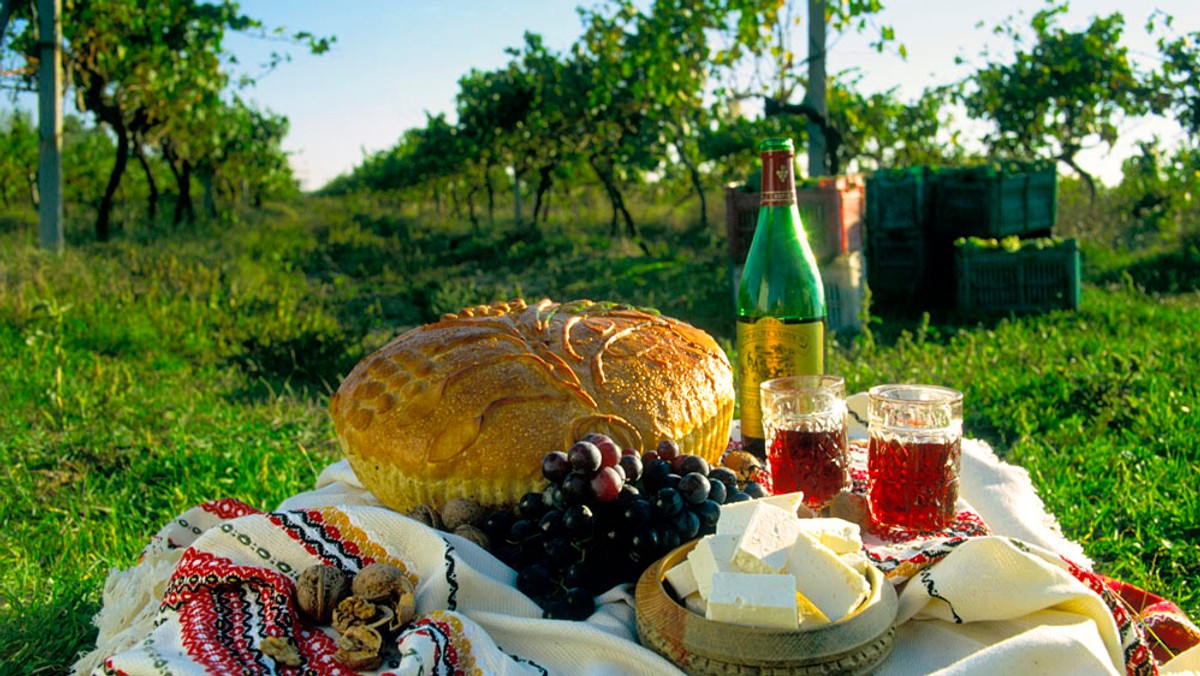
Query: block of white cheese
[735, 516]
[681, 579]
[856, 560]
[810, 615]
[696, 604]
[830, 583]
[754, 600]
[843, 537]
[765, 544]
[711, 555]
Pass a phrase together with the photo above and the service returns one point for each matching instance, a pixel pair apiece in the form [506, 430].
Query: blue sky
[394, 60]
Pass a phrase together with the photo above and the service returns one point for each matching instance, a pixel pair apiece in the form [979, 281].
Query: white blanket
[217, 581]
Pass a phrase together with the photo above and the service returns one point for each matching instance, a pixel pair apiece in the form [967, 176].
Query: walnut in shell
[461, 512]
[426, 515]
[380, 581]
[474, 534]
[319, 590]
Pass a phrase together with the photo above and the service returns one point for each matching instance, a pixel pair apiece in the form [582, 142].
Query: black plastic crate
[1036, 277]
[994, 201]
[900, 200]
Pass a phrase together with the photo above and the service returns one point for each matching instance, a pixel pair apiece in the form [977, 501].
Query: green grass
[141, 377]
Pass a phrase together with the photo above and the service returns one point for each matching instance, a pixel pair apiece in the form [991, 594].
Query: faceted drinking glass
[805, 422]
[914, 457]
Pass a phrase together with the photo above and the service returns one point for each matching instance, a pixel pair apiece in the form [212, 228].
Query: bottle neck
[778, 178]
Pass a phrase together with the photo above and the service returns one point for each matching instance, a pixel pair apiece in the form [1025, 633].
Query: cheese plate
[855, 644]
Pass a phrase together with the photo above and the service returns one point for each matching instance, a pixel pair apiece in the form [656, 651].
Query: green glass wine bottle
[781, 299]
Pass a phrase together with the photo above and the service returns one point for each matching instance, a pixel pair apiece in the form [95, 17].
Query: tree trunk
[697, 185]
[114, 182]
[208, 180]
[50, 190]
[491, 194]
[184, 210]
[152, 201]
[545, 181]
[471, 207]
[516, 196]
[618, 205]
[455, 206]
[819, 156]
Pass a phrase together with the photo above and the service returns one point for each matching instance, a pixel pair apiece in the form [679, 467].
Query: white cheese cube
[681, 579]
[735, 517]
[754, 600]
[763, 547]
[696, 604]
[843, 537]
[857, 561]
[810, 615]
[832, 585]
[711, 555]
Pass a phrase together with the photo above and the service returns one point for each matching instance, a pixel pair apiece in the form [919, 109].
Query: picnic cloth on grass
[1001, 590]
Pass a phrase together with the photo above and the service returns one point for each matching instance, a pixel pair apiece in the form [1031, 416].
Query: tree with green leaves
[18, 160]
[1175, 86]
[778, 73]
[1068, 89]
[146, 71]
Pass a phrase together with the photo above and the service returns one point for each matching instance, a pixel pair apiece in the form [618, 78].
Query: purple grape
[636, 512]
[667, 503]
[694, 487]
[709, 512]
[693, 463]
[717, 492]
[551, 524]
[610, 452]
[531, 506]
[576, 488]
[580, 522]
[534, 580]
[606, 484]
[755, 490]
[584, 456]
[686, 525]
[667, 449]
[632, 466]
[555, 466]
[725, 476]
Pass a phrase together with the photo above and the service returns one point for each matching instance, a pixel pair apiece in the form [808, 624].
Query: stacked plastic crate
[916, 217]
[979, 206]
[898, 224]
[832, 210]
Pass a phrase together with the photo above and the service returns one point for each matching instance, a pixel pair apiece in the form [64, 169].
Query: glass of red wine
[805, 422]
[914, 456]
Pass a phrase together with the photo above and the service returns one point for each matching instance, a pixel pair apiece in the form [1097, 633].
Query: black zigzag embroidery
[451, 577]
[931, 589]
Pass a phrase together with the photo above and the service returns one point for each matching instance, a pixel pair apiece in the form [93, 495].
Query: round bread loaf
[469, 405]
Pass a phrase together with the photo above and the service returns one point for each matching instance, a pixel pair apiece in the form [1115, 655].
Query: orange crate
[832, 213]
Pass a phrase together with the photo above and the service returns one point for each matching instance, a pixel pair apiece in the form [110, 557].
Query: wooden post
[816, 86]
[50, 211]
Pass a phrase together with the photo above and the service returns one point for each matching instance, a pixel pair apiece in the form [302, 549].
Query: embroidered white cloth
[217, 581]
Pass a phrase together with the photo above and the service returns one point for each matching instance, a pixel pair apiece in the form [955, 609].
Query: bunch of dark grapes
[605, 515]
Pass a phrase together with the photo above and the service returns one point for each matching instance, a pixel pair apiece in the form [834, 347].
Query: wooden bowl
[855, 644]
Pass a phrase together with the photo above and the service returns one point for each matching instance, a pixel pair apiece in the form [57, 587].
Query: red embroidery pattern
[228, 508]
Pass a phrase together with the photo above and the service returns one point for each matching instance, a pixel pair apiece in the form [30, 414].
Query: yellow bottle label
[769, 348]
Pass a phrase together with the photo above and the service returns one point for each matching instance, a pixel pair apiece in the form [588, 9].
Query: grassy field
[141, 377]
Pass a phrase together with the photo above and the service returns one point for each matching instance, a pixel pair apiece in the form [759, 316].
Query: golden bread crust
[469, 405]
